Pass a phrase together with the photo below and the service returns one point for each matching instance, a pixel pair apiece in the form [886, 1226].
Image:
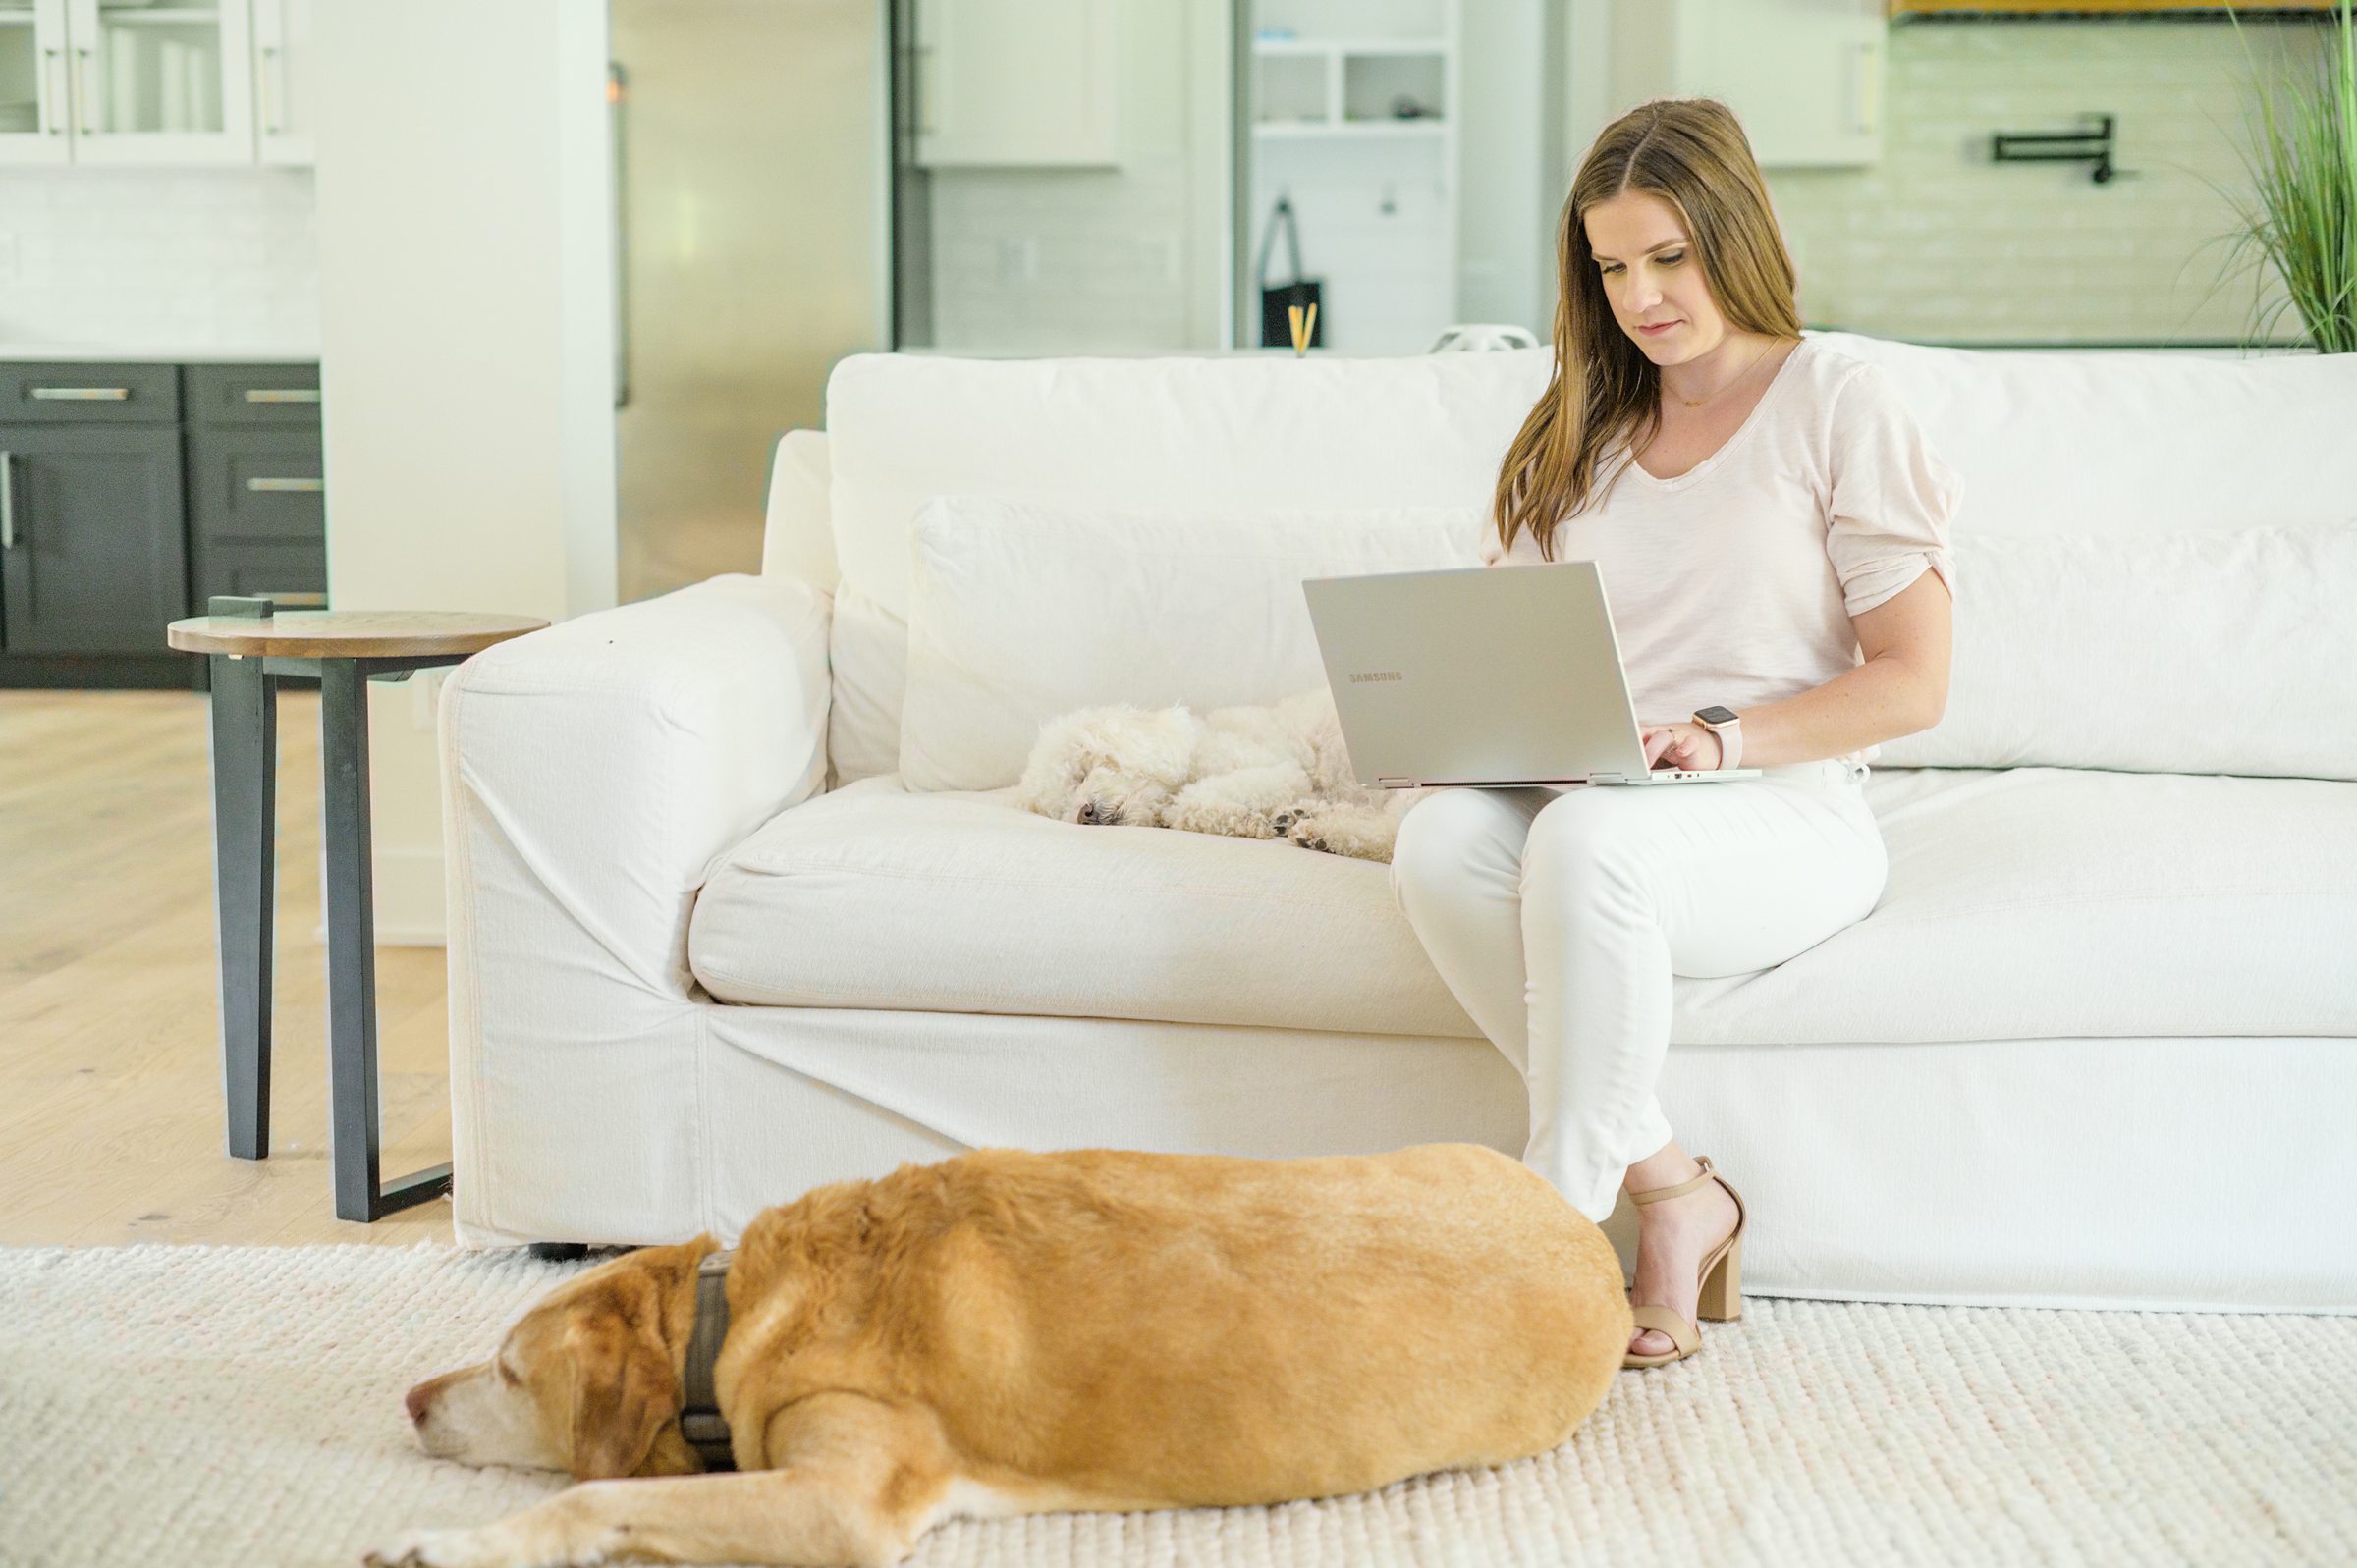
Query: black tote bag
[1276, 325]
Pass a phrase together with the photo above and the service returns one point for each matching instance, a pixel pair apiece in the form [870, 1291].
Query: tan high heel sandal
[1721, 1298]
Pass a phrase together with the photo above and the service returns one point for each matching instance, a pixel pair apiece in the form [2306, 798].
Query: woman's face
[1647, 265]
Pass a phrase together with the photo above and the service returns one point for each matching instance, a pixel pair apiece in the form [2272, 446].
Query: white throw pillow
[1021, 611]
[2207, 652]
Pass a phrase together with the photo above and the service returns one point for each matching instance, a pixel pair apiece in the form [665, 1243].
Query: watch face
[1716, 715]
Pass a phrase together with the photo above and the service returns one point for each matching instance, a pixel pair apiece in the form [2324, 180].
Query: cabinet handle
[8, 499]
[282, 395]
[283, 486]
[55, 97]
[81, 92]
[274, 113]
[83, 394]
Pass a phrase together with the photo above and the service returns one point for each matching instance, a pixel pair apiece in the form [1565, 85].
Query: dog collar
[700, 1420]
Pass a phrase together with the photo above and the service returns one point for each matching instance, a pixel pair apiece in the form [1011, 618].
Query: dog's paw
[1349, 831]
[1287, 822]
[442, 1548]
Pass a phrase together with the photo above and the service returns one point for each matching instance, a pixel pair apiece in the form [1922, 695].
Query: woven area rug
[240, 1407]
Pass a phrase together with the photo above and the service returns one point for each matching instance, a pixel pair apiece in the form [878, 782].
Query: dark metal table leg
[353, 1131]
[245, 736]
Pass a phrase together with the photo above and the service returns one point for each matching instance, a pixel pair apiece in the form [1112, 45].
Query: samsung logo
[1360, 680]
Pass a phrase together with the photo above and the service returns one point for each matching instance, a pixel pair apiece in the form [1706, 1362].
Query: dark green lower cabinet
[93, 558]
[131, 494]
[256, 514]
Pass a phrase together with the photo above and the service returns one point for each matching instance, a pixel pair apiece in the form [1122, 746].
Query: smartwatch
[1723, 723]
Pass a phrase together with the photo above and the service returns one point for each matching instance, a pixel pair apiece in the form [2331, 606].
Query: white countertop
[156, 354]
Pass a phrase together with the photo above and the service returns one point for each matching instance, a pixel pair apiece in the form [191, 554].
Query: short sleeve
[1892, 498]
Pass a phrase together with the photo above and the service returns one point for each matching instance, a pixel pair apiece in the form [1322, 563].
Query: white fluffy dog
[1247, 772]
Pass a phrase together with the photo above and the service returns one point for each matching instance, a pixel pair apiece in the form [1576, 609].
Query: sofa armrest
[593, 772]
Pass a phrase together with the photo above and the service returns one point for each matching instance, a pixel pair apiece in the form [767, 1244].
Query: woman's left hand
[1686, 745]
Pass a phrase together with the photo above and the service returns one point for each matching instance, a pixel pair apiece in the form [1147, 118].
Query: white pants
[1556, 915]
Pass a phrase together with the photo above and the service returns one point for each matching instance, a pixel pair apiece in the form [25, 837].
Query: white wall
[159, 259]
[465, 299]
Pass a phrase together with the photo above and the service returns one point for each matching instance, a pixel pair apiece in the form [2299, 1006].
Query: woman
[1762, 510]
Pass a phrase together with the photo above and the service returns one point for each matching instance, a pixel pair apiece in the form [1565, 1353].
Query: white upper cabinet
[163, 82]
[1015, 83]
[282, 80]
[1805, 77]
[154, 82]
[34, 99]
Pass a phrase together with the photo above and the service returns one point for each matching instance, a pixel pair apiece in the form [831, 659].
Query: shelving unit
[1374, 191]
[1344, 79]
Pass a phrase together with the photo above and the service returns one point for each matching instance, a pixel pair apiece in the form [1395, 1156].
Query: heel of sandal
[1721, 1298]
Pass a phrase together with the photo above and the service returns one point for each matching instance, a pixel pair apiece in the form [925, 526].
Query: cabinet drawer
[249, 486]
[255, 395]
[295, 575]
[88, 394]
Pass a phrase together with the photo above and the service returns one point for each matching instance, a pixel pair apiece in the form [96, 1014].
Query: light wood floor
[111, 1116]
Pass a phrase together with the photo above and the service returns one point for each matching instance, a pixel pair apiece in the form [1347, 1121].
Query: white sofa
[2097, 1045]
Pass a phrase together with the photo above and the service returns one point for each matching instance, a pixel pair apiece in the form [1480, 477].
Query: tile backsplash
[1935, 241]
[194, 258]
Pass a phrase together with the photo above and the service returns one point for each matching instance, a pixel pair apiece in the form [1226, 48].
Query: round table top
[349, 633]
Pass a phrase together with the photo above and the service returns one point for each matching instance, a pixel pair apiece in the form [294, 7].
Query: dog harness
[700, 1420]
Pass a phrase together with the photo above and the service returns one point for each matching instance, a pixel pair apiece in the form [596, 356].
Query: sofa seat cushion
[959, 901]
[2023, 903]
[2030, 904]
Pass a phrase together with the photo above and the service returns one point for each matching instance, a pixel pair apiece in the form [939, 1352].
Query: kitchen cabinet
[92, 551]
[283, 68]
[132, 493]
[154, 82]
[1805, 77]
[257, 515]
[1015, 83]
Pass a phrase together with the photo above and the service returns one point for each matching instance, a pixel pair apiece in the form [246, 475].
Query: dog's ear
[1150, 743]
[625, 1394]
[1069, 747]
[623, 1397]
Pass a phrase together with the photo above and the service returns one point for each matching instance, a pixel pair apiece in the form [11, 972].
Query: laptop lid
[1477, 674]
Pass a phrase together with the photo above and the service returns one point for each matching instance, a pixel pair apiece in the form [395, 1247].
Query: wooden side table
[251, 645]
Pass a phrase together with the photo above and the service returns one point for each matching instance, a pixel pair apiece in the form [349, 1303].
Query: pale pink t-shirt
[1735, 582]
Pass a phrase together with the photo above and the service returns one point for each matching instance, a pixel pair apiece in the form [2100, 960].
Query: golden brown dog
[1009, 1332]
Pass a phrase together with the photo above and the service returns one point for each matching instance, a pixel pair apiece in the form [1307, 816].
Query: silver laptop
[1484, 675]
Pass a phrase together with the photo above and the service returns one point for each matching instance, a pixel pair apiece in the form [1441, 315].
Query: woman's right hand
[1689, 746]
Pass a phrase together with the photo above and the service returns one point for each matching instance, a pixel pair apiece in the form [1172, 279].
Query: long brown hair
[1692, 153]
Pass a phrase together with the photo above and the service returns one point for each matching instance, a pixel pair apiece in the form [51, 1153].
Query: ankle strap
[1659, 1193]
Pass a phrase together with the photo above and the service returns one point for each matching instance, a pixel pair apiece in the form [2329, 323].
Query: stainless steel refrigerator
[753, 250]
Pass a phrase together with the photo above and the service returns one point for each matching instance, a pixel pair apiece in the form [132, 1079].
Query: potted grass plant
[2304, 171]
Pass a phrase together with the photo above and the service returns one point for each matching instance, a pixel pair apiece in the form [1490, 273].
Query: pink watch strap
[1730, 739]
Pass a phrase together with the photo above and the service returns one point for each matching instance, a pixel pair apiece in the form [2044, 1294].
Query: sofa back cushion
[2210, 651]
[1019, 612]
[2099, 447]
[2130, 444]
[1252, 432]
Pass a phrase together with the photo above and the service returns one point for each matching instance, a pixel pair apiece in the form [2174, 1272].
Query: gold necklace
[1696, 403]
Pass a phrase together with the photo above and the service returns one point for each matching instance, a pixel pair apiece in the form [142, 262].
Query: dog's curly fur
[1276, 772]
